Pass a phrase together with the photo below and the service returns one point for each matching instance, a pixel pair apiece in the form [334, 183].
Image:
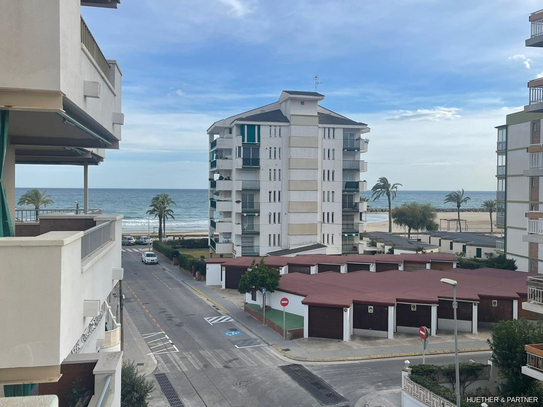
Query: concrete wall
[295, 305]
[213, 274]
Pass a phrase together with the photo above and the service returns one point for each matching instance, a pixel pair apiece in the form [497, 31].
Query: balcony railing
[213, 164]
[213, 224]
[349, 206]
[537, 28]
[501, 145]
[96, 237]
[250, 162]
[351, 186]
[250, 250]
[500, 195]
[535, 290]
[535, 226]
[29, 215]
[351, 144]
[213, 184]
[213, 144]
[534, 356]
[500, 170]
[351, 165]
[349, 248]
[213, 244]
[250, 184]
[92, 46]
[250, 207]
[536, 160]
[213, 204]
[500, 220]
[536, 94]
[500, 245]
[250, 229]
[349, 228]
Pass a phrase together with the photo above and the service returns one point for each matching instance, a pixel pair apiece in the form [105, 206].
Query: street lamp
[454, 283]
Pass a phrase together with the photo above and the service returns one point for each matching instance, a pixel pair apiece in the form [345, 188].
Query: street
[205, 358]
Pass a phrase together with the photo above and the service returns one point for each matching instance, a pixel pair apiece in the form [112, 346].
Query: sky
[432, 79]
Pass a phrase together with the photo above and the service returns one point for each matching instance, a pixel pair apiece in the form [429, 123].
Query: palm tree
[36, 198]
[155, 209]
[383, 187]
[457, 197]
[489, 206]
[160, 207]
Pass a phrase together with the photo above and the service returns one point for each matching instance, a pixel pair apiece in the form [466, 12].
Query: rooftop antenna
[317, 82]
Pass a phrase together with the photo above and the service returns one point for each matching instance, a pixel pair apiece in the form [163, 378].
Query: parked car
[128, 241]
[142, 240]
[149, 258]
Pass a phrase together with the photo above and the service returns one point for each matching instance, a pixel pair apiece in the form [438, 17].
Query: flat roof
[389, 287]
[476, 239]
[401, 242]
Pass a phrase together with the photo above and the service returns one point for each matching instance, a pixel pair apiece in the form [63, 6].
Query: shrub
[189, 243]
[135, 388]
[165, 249]
[187, 261]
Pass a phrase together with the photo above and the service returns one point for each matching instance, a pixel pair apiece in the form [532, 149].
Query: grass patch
[197, 253]
[292, 321]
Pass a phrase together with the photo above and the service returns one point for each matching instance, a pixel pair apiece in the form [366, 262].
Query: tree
[385, 188]
[135, 388]
[415, 216]
[160, 207]
[457, 197]
[508, 354]
[36, 198]
[489, 206]
[495, 262]
[259, 277]
[469, 373]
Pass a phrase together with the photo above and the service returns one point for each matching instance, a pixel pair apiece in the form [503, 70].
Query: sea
[192, 205]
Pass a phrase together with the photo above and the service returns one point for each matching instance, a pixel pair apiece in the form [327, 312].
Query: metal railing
[536, 160]
[250, 162]
[500, 220]
[501, 145]
[350, 206]
[500, 170]
[250, 207]
[500, 245]
[92, 46]
[351, 165]
[213, 144]
[534, 361]
[29, 215]
[213, 224]
[250, 184]
[213, 164]
[213, 184]
[213, 204]
[96, 237]
[250, 250]
[349, 227]
[535, 226]
[536, 28]
[536, 94]
[500, 195]
[349, 248]
[249, 229]
[535, 290]
[351, 143]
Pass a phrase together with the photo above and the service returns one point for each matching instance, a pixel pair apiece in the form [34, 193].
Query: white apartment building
[520, 173]
[286, 175]
[60, 104]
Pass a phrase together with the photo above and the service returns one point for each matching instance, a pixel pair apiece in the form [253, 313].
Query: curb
[209, 299]
[373, 357]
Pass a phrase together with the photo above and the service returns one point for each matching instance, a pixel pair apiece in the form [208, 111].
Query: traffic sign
[263, 292]
[423, 332]
[284, 301]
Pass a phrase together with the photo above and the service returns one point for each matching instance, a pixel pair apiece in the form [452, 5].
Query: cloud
[239, 8]
[519, 57]
[434, 115]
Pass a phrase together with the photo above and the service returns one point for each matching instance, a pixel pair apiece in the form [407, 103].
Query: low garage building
[338, 305]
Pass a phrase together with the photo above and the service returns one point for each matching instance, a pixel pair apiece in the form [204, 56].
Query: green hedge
[186, 262]
[189, 243]
[165, 249]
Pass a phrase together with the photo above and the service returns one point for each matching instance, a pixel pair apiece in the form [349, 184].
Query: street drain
[168, 390]
[313, 384]
[286, 349]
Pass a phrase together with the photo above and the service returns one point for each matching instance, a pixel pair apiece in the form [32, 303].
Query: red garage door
[357, 267]
[325, 322]
[329, 267]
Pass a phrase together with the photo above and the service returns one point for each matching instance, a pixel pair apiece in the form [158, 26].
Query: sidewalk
[329, 350]
[135, 347]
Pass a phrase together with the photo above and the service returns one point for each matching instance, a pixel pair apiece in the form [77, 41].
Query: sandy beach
[476, 222]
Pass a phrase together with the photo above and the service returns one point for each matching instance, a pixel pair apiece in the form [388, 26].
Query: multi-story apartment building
[520, 173]
[60, 103]
[286, 175]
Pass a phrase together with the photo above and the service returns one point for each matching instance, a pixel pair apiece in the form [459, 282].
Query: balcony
[500, 195]
[536, 35]
[221, 164]
[500, 245]
[68, 265]
[351, 186]
[534, 228]
[535, 102]
[363, 207]
[534, 361]
[349, 248]
[248, 162]
[250, 207]
[222, 246]
[501, 146]
[355, 165]
[223, 226]
[351, 144]
[222, 142]
[250, 250]
[250, 185]
[535, 295]
[350, 207]
[535, 165]
[250, 229]
[222, 185]
[500, 170]
[500, 221]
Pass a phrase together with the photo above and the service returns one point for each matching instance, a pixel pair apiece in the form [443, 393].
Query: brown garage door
[441, 266]
[406, 317]
[502, 311]
[329, 267]
[357, 267]
[386, 266]
[464, 311]
[233, 275]
[409, 266]
[325, 322]
[299, 269]
[376, 320]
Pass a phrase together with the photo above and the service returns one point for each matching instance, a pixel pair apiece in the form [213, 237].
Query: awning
[6, 227]
[350, 234]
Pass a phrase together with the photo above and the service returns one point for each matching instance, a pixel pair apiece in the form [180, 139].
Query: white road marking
[218, 320]
[177, 362]
[148, 335]
[161, 365]
[211, 359]
[244, 357]
[193, 360]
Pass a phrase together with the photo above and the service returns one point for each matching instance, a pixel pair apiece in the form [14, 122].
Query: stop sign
[284, 301]
[423, 332]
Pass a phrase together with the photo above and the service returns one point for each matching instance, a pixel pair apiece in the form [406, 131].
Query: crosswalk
[218, 319]
[195, 360]
[133, 250]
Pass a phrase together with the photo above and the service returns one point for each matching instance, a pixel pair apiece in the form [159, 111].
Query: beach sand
[476, 222]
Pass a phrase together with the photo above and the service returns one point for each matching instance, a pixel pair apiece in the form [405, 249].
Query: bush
[497, 262]
[165, 249]
[135, 388]
[189, 243]
[187, 261]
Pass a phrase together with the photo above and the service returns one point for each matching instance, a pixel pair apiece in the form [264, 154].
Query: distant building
[473, 245]
[383, 242]
[60, 104]
[284, 176]
[519, 174]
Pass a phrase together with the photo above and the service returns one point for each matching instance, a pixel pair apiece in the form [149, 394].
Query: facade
[520, 174]
[284, 176]
[473, 245]
[60, 104]
[534, 352]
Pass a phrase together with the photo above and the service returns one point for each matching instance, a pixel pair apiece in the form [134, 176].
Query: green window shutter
[258, 134]
[251, 133]
[242, 132]
[451, 245]
[479, 252]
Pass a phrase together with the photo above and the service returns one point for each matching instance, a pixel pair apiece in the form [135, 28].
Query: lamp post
[454, 283]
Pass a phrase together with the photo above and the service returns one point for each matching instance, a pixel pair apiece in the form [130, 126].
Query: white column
[474, 318]
[346, 324]
[433, 328]
[428, 266]
[343, 268]
[8, 179]
[85, 188]
[223, 277]
[391, 322]
[515, 309]
[372, 267]
[313, 270]
[454, 265]
[400, 266]
[395, 324]
[306, 321]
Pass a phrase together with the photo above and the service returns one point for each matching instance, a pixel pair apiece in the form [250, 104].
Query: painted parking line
[218, 320]
[159, 343]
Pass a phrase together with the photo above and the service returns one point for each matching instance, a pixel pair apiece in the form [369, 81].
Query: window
[328, 153]
[274, 215]
[334, 137]
[270, 130]
[278, 217]
[269, 153]
[327, 217]
[323, 220]
[279, 196]
[332, 217]
[323, 196]
[279, 152]
[250, 133]
[333, 175]
[279, 131]
[238, 152]
[328, 193]
[274, 239]
[269, 218]
[269, 240]
[279, 174]
[275, 175]
[275, 153]
[450, 245]
[328, 175]
[328, 238]
[333, 154]
[274, 192]
[324, 154]
[479, 252]
[332, 239]
[269, 174]
[278, 240]
[333, 196]
[251, 156]
[302, 102]
[323, 240]
[324, 175]
[269, 196]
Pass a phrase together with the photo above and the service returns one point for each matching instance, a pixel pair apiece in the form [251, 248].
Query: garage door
[409, 266]
[367, 316]
[441, 266]
[299, 269]
[325, 322]
[420, 315]
[357, 267]
[233, 275]
[500, 310]
[386, 266]
[329, 267]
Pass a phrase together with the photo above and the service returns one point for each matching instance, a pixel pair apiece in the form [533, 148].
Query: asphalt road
[210, 360]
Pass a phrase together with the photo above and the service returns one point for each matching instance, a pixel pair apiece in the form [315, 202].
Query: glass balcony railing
[250, 250]
[351, 186]
[250, 229]
[250, 207]
[350, 206]
[250, 184]
[250, 162]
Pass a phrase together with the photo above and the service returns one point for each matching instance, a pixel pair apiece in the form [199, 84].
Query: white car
[149, 258]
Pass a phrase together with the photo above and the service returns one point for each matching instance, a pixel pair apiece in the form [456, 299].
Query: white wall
[213, 274]
[295, 305]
